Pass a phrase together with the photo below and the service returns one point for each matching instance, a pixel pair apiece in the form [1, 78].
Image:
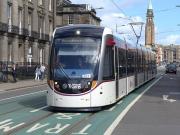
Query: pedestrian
[37, 73]
[42, 69]
[4, 71]
[14, 72]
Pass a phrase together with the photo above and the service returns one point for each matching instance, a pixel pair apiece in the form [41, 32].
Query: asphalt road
[157, 112]
[144, 111]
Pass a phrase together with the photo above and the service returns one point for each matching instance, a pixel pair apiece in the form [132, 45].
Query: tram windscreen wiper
[62, 70]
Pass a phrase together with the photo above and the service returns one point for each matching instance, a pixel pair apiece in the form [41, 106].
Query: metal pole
[138, 37]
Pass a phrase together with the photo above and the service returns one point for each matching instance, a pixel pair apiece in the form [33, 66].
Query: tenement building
[26, 27]
[68, 13]
[25, 30]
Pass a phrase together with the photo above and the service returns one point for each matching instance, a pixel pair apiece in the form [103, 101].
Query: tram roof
[71, 26]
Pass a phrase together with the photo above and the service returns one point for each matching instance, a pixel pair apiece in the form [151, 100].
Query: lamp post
[99, 8]
[119, 26]
[137, 41]
[132, 26]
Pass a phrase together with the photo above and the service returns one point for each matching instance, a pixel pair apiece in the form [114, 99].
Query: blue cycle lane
[24, 121]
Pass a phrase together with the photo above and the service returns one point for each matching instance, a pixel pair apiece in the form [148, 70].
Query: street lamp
[132, 26]
[119, 26]
[99, 8]
[126, 18]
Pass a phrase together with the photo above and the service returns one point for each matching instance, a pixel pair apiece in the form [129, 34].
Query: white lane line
[83, 131]
[120, 102]
[124, 112]
[111, 109]
[36, 110]
[18, 89]
[174, 93]
[23, 95]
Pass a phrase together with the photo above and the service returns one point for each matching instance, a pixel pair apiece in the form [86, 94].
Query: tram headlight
[94, 84]
[51, 84]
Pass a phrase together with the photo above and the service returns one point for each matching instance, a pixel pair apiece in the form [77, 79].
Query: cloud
[170, 39]
[129, 3]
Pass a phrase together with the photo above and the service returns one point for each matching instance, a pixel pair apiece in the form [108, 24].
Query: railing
[5, 28]
[24, 70]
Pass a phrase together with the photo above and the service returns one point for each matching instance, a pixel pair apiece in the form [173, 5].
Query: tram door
[116, 65]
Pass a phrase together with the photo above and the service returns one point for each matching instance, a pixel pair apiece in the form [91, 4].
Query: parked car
[171, 68]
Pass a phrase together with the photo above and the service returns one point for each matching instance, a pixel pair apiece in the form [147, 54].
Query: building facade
[168, 54]
[171, 53]
[68, 13]
[149, 28]
[25, 29]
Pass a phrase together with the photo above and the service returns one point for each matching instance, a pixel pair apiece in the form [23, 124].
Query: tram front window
[76, 62]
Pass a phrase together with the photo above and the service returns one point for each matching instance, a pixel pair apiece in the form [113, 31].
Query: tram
[91, 67]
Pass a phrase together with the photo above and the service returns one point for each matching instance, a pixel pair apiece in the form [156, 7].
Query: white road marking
[120, 102]
[18, 89]
[174, 93]
[22, 95]
[124, 112]
[165, 98]
[111, 109]
[36, 110]
[82, 132]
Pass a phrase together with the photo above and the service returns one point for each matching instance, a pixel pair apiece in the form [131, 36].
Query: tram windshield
[76, 57]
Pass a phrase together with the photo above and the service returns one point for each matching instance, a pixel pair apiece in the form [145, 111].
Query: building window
[9, 12]
[50, 29]
[50, 5]
[40, 2]
[71, 19]
[29, 56]
[41, 51]
[10, 51]
[29, 23]
[20, 20]
[41, 27]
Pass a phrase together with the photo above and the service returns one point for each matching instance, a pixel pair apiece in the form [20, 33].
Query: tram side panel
[131, 67]
[122, 67]
[105, 93]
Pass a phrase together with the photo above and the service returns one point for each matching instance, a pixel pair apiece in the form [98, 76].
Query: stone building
[68, 13]
[25, 29]
[168, 54]
[149, 28]
[171, 53]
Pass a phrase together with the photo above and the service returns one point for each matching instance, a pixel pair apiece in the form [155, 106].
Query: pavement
[4, 86]
[31, 82]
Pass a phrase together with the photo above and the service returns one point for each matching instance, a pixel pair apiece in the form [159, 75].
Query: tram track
[21, 108]
[29, 123]
[10, 100]
[78, 125]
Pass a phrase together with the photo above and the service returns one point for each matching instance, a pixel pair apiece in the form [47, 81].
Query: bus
[91, 67]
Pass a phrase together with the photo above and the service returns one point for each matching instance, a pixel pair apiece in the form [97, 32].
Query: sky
[166, 17]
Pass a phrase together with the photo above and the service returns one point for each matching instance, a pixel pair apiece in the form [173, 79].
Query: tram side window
[139, 62]
[130, 63]
[108, 68]
[122, 62]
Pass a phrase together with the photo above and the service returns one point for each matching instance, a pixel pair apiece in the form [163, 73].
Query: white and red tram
[91, 67]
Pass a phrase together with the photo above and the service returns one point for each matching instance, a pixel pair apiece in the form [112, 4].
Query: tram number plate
[74, 86]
